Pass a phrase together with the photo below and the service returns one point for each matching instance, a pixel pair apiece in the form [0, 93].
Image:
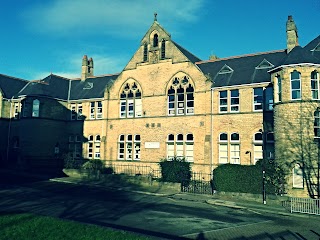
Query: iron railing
[305, 205]
[134, 170]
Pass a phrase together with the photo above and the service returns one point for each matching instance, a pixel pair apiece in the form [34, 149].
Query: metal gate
[199, 187]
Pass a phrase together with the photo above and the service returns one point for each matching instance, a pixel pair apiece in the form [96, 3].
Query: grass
[25, 226]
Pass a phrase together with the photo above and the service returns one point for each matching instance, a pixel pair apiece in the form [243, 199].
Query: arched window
[235, 148]
[223, 148]
[145, 52]
[297, 176]
[130, 101]
[163, 49]
[295, 85]
[155, 40]
[129, 147]
[315, 85]
[180, 146]
[257, 147]
[35, 108]
[181, 97]
[97, 143]
[90, 147]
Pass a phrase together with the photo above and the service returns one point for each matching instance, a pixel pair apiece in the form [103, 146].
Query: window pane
[223, 137]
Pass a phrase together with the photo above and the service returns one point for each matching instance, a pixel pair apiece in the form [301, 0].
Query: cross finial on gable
[155, 16]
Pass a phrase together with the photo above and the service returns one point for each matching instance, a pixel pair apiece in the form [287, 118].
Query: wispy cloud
[109, 17]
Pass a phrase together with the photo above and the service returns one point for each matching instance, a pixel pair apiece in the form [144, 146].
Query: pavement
[273, 206]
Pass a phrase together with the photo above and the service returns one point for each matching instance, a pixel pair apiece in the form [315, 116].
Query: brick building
[167, 102]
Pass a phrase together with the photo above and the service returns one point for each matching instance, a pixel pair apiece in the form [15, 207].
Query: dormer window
[155, 40]
[264, 64]
[225, 69]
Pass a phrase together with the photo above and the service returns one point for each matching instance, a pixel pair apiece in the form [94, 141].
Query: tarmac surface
[157, 212]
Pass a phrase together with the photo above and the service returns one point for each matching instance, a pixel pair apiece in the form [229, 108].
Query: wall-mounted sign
[152, 144]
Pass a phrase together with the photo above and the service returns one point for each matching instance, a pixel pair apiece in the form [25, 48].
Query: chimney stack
[292, 34]
[87, 68]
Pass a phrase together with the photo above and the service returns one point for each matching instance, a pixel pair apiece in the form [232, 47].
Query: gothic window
[130, 101]
[295, 85]
[163, 49]
[35, 108]
[145, 52]
[180, 97]
[155, 40]
[315, 85]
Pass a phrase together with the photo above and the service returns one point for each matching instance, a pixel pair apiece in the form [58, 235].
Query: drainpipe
[211, 132]
[9, 130]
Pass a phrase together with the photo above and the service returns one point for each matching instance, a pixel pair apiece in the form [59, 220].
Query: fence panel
[305, 205]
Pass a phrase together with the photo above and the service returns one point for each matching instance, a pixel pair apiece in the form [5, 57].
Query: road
[161, 217]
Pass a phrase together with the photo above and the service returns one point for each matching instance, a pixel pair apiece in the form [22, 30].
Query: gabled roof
[9, 86]
[244, 68]
[92, 87]
[188, 54]
[52, 86]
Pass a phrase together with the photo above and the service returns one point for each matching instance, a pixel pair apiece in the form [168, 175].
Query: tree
[297, 145]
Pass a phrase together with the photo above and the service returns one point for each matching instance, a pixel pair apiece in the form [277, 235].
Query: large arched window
[130, 101]
[35, 108]
[295, 80]
[181, 97]
[314, 85]
[129, 147]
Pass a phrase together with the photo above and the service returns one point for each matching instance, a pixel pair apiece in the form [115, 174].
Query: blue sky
[39, 37]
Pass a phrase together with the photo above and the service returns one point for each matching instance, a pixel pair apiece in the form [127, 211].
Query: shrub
[175, 170]
[71, 163]
[93, 165]
[240, 178]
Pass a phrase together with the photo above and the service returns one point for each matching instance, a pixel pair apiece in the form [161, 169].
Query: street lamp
[264, 197]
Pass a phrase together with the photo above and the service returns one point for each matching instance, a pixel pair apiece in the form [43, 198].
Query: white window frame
[130, 107]
[16, 110]
[180, 101]
[90, 153]
[292, 81]
[189, 147]
[129, 147]
[170, 146]
[235, 149]
[315, 86]
[257, 103]
[234, 105]
[223, 148]
[35, 108]
[223, 101]
[316, 126]
[297, 177]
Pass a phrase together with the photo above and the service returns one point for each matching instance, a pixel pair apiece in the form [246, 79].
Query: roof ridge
[240, 56]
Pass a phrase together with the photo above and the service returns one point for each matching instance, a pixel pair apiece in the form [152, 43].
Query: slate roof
[52, 86]
[244, 68]
[92, 87]
[188, 54]
[9, 86]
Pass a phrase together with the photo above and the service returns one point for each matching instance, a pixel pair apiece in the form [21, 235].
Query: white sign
[152, 144]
